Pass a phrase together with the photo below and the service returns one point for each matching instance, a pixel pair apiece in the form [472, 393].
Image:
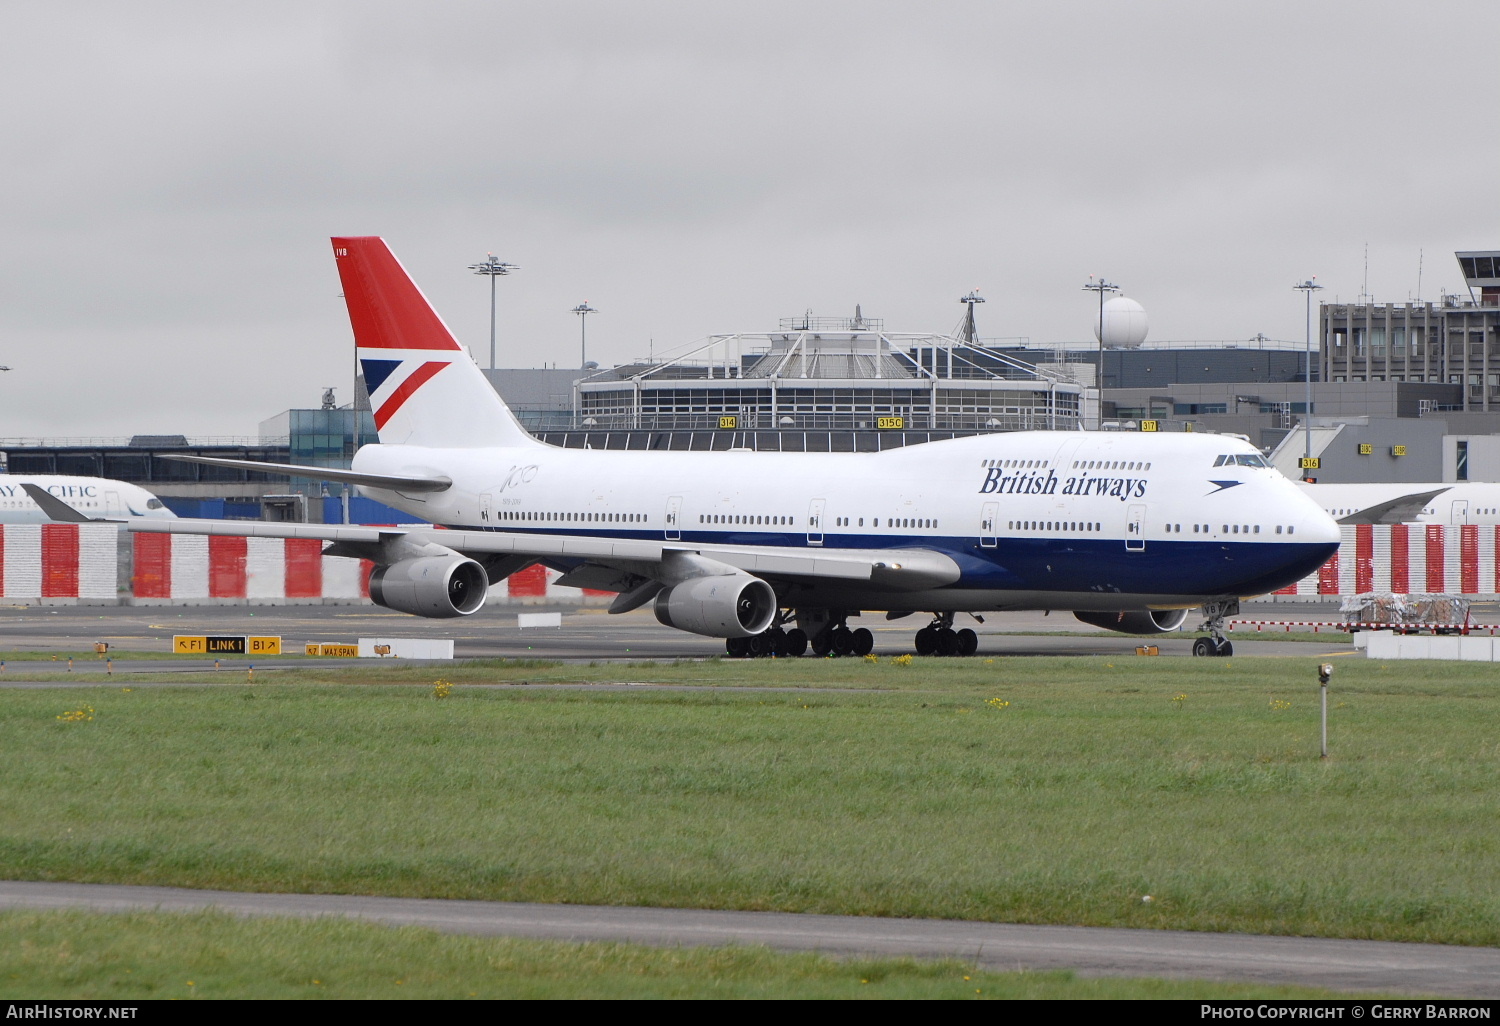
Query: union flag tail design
[424, 387]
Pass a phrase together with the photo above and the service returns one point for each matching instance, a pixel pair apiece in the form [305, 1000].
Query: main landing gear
[830, 636]
[1214, 614]
[939, 638]
[773, 641]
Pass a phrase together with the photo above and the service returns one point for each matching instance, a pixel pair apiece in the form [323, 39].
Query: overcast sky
[172, 173]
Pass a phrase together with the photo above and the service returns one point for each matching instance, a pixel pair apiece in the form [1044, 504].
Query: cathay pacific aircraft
[99, 497]
[778, 552]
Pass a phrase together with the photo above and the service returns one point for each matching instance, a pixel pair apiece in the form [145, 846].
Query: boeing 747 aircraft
[777, 552]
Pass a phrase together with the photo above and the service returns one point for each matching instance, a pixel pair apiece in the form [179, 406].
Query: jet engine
[722, 606]
[435, 586]
[1136, 621]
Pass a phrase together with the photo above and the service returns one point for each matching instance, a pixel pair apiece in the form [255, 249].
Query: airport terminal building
[1401, 378]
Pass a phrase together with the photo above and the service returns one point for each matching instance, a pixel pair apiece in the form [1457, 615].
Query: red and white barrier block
[536, 586]
[59, 562]
[187, 568]
[1406, 559]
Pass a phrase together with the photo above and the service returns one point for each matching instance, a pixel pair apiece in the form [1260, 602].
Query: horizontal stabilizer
[394, 482]
[54, 507]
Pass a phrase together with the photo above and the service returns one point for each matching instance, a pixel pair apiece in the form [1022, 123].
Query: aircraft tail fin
[424, 387]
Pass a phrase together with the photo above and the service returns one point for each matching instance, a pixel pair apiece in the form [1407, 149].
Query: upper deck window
[1240, 460]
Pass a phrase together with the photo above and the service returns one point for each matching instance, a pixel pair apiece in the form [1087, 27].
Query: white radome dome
[1124, 323]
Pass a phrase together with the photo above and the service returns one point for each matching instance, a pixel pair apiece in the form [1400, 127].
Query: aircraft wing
[1403, 509]
[397, 482]
[897, 569]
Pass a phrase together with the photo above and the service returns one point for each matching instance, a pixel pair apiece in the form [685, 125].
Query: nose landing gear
[1214, 614]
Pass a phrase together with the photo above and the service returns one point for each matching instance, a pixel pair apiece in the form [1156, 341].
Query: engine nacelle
[435, 586]
[1136, 621]
[724, 606]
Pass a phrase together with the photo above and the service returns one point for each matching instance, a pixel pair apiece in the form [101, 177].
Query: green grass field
[63, 955]
[1102, 781]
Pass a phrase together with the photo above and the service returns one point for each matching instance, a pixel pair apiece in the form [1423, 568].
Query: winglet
[54, 507]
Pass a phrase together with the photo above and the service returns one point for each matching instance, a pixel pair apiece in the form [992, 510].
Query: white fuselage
[91, 496]
[1065, 520]
[1468, 502]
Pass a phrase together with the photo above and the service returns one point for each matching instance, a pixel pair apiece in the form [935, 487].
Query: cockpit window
[1237, 459]
[154, 504]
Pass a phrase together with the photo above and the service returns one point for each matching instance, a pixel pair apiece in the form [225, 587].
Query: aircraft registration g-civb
[775, 552]
[98, 496]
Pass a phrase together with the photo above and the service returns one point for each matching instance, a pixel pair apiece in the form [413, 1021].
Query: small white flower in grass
[1147, 899]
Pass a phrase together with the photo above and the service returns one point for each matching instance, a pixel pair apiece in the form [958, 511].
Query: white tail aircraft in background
[1456, 502]
[95, 496]
[776, 552]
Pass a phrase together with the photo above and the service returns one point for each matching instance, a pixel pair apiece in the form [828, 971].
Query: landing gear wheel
[861, 642]
[843, 641]
[1203, 647]
[822, 644]
[968, 642]
[796, 643]
[737, 648]
[926, 641]
[1224, 647]
[947, 642]
[760, 645]
[777, 641]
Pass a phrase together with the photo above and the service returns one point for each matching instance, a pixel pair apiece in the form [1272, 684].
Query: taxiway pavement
[585, 635]
[1347, 965]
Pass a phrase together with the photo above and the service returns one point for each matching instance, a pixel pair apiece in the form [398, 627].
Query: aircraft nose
[1318, 526]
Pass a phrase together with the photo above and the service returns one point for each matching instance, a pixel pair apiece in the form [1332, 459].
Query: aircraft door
[113, 507]
[1135, 529]
[1460, 512]
[815, 521]
[486, 501]
[674, 515]
[989, 534]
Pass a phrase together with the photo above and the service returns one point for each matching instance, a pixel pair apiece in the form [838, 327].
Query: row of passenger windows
[1231, 529]
[748, 519]
[742, 518]
[1017, 464]
[1070, 525]
[573, 518]
[1109, 465]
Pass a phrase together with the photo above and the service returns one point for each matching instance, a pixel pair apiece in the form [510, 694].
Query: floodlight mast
[583, 310]
[971, 331]
[494, 269]
[1100, 286]
[1307, 288]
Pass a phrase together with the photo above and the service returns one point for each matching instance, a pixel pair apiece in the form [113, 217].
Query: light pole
[1307, 288]
[494, 268]
[971, 330]
[583, 310]
[1100, 286]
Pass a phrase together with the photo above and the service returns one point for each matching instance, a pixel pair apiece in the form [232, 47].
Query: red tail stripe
[386, 309]
[404, 392]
